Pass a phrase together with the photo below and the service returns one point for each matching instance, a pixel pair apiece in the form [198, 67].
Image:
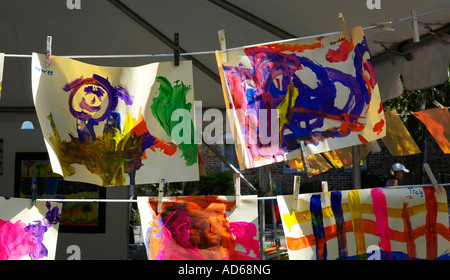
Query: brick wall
[377, 164]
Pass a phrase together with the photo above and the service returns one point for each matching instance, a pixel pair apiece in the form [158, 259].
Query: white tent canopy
[142, 27]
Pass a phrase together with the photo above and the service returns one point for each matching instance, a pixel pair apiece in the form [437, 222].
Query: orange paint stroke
[362, 139]
[347, 126]
[342, 52]
[378, 127]
[369, 228]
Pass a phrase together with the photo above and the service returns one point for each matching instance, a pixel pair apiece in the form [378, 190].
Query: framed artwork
[76, 217]
[1, 156]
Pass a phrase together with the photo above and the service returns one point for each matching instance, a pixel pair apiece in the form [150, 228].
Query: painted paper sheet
[404, 223]
[437, 121]
[117, 125]
[398, 140]
[322, 91]
[27, 231]
[342, 158]
[200, 228]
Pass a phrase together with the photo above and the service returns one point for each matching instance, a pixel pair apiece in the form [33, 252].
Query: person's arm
[392, 182]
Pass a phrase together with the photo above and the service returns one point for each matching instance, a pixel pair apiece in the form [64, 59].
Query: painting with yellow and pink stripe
[368, 224]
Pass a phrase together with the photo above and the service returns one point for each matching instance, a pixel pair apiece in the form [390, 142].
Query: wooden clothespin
[416, 37]
[223, 45]
[176, 49]
[33, 190]
[324, 186]
[49, 51]
[237, 188]
[430, 174]
[162, 183]
[437, 104]
[297, 180]
[344, 27]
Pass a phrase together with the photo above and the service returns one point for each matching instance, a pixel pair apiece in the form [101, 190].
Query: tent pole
[356, 170]
[265, 181]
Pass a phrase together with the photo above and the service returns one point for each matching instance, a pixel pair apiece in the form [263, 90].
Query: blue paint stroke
[336, 206]
[317, 226]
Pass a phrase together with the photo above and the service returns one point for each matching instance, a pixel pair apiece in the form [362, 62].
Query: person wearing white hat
[395, 174]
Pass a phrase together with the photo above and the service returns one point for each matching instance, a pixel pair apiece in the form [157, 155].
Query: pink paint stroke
[381, 220]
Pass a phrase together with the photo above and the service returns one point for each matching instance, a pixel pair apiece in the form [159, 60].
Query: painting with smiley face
[112, 126]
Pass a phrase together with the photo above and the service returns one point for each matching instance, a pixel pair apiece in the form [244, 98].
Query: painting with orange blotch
[437, 121]
[408, 223]
[322, 91]
[200, 228]
[112, 126]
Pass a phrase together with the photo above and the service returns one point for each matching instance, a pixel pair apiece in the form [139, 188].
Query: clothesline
[377, 25]
[135, 200]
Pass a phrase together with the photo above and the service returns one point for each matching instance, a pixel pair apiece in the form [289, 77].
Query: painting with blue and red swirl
[321, 92]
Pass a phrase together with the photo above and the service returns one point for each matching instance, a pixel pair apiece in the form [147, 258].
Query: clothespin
[49, 51]
[237, 188]
[344, 27]
[437, 104]
[223, 45]
[33, 190]
[160, 194]
[297, 180]
[324, 186]
[430, 174]
[416, 37]
[176, 49]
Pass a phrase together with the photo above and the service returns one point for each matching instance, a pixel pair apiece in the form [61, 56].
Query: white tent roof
[114, 27]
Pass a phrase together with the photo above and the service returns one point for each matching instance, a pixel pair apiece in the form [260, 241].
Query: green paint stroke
[170, 99]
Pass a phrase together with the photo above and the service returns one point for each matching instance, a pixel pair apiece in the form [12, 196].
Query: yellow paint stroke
[286, 105]
[356, 211]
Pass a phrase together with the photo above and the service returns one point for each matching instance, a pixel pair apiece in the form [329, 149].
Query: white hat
[399, 167]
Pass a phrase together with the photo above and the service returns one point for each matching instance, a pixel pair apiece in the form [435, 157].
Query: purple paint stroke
[37, 230]
[105, 86]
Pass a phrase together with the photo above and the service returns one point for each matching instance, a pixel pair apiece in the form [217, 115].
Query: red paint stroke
[381, 108]
[342, 52]
[381, 220]
[408, 232]
[362, 139]
[368, 66]
[378, 127]
[431, 237]
[294, 48]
